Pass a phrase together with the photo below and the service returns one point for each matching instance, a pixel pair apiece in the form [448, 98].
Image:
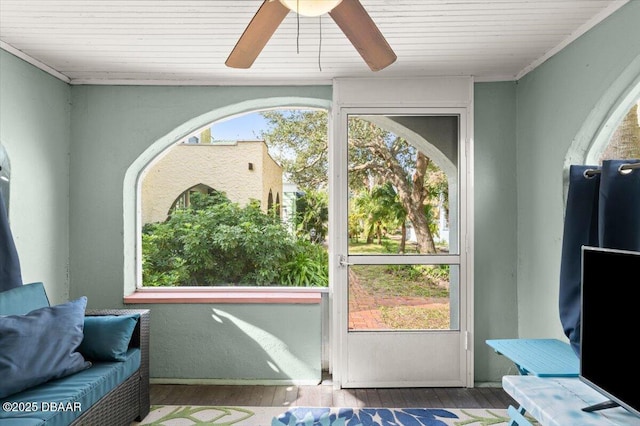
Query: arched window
[5, 175]
[624, 143]
[184, 200]
[231, 238]
[270, 201]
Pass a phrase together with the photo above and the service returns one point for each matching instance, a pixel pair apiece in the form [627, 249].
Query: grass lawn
[430, 282]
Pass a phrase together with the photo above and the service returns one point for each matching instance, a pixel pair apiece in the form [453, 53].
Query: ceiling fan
[349, 15]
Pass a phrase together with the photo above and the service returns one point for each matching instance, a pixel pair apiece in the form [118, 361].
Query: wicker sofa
[106, 394]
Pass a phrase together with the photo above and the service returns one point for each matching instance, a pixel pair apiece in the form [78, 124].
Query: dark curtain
[10, 274]
[602, 211]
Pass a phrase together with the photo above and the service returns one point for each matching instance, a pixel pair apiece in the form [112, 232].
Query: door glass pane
[403, 297]
[403, 184]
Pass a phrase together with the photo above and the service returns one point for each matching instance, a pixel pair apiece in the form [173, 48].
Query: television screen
[610, 321]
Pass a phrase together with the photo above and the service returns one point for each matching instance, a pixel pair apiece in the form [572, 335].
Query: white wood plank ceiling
[188, 41]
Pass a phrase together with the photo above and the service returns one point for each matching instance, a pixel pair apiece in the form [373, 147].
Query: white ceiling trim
[36, 63]
[226, 82]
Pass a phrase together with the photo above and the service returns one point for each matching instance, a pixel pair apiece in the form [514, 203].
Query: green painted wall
[35, 131]
[557, 106]
[232, 343]
[111, 128]
[495, 283]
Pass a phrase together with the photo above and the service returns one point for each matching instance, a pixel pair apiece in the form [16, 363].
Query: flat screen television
[610, 324]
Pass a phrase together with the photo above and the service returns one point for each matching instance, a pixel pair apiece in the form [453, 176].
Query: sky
[245, 127]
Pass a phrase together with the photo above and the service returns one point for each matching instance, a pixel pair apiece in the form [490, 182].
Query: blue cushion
[41, 346]
[82, 390]
[24, 299]
[21, 422]
[106, 338]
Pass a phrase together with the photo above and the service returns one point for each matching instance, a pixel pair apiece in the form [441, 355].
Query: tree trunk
[370, 236]
[423, 233]
[403, 238]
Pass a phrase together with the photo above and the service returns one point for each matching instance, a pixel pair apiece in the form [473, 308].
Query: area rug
[173, 415]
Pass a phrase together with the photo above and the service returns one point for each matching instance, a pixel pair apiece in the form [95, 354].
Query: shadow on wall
[201, 343]
[287, 365]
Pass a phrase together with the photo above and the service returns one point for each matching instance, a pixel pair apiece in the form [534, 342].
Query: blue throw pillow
[41, 346]
[23, 299]
[106, 338]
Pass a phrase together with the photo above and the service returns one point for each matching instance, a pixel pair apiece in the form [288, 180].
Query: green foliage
[406, 272]
[313, 213]
[374, 211]
[300, 141]
[310, 267]
[216, 242]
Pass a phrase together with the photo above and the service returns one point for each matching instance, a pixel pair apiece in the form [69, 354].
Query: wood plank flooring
[324, 395]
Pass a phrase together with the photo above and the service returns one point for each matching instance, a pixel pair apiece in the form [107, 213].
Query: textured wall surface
[116, 132]
[223, 167]
[560, 108]
[35, 131]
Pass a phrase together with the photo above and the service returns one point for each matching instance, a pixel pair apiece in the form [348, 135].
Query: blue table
[558, 401]
[536, 357]
[539, 357]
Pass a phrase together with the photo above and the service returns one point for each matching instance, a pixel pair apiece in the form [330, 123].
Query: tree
[366, 210]
[625, 141]
[298, 139]
[376, 157]
[313, 215]
[380, 155]
[395, 213]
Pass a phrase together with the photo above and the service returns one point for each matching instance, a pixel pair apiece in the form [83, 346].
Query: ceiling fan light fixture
[310, 7]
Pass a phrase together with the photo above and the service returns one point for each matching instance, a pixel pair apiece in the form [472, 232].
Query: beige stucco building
[243, 170]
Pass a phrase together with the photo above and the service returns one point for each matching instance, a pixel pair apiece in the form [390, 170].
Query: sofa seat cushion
[21, 422]
[61, 398]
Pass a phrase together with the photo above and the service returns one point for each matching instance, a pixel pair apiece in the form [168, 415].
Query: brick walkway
[364, 307]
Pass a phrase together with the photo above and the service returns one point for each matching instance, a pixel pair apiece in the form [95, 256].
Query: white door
[401, 293]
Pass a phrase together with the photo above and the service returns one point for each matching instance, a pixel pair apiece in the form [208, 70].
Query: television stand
[601, 406]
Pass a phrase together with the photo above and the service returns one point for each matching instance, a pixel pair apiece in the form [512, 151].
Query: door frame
[419, 94]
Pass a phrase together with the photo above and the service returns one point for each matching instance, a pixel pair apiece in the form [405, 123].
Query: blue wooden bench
[537, 357]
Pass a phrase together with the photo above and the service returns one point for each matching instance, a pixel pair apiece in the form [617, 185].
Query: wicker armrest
[139, 339]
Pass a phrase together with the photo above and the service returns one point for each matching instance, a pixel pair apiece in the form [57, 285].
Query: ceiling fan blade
[357, 25]
[262, 26]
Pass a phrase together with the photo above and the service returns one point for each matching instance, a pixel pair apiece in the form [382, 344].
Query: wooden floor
[325, 395]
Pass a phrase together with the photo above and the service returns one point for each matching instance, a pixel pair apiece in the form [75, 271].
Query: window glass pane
[403, 297]
[625, 141]
[220, 208]
[5, 176]
[403, 184]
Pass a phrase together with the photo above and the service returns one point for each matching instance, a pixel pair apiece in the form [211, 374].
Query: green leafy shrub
[309, 268]
[216, 242]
